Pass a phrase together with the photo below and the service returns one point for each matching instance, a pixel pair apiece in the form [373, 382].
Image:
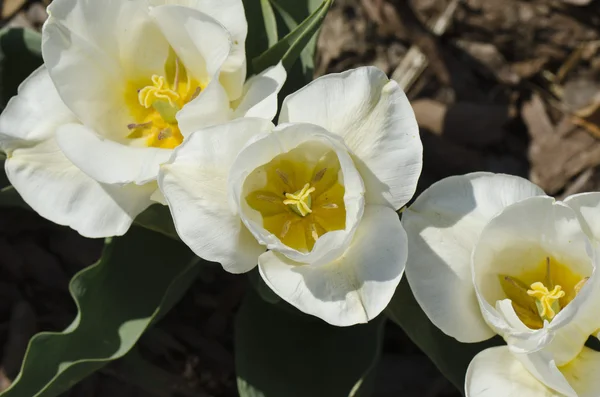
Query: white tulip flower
[320, 191]
[123, 83]
[492, 254]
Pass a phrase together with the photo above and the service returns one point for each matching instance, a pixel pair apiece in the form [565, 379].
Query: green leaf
[291, 46]
[139, 278]
[158, 218]
[262, 29]
[450, 356]
[20, 54]
[282, 352]
[9, 197]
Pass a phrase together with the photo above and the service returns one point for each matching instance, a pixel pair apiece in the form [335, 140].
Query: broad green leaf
[139, 278]
[262, 29]
[9, 197]
[282, 352]
[289, 48]
[293, 12]
[20, 54]
[450, 356]
[158, 218]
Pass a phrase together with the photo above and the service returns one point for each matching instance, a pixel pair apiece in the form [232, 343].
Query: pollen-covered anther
[300, 201]
[164, 134]
[546, 300]
[133, 126]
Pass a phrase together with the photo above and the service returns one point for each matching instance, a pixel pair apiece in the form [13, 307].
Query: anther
[330, 206]
[313, 232]
[319, 175]
[133, 126]
[164, 134]
[267, 198]
[285, 229]
[284, 177]
[196, 93]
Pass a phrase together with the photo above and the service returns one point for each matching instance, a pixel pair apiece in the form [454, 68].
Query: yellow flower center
[539, 295]
[154, 103]
[316, 205]
[546, 301]
[300, 202]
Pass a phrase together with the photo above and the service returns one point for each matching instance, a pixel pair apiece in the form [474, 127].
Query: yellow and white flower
[123, 83]
[319, 191]
[492, 254]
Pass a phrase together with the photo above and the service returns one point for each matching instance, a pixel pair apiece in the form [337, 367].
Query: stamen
[546, 301]
[284, 177]
[267, 198]
[518, 284]
[319, 175]
[133, 126]
[285, 229]
[176, 80]
[196, 93]
[580, 285]
[330, 206]
[163, 134]
[313, 232]
[301, 200]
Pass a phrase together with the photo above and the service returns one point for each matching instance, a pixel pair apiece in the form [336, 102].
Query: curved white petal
[587, 207]
[121, 30]
[281, 140]
[259, 98]
[443, 226]
[230, 13]
[60, 192]
[356, 287]
[210, 108]
[108, 161]
[496, 372]
[198, 39]
[544, 369]
[582, 373]
[377, 123]
[33, 114]
[517, 242]
[194, 183]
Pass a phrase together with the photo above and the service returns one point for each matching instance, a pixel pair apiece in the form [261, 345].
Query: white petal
[108, 161]
[60, 192]
[195, 186]
[101, 46]
[283, 139]
[121, 30]
[260, 94]
[198, 39]
[495, 372]
[230, 13]
[587, 207]
[34, 114]
[443, 226]
[518, 240]
[377, 123]
[544, 369]
[356, 287]
[210, 108]
[582, 373]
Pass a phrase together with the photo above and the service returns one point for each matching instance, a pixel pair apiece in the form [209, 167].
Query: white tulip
[123, 83]
[319, 191]
[492, 254]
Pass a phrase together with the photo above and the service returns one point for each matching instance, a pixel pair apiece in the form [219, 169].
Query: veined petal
[496, 372]
[60, 192]
[259, 98]
[587, 207]
[230, 13]
[443, 226]
[210, 108]
[33, 114]
[377, 123]
[108, 161]
[199, 40]
[535, 240]
[356, 287]
[194, 183]
[283, 139]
